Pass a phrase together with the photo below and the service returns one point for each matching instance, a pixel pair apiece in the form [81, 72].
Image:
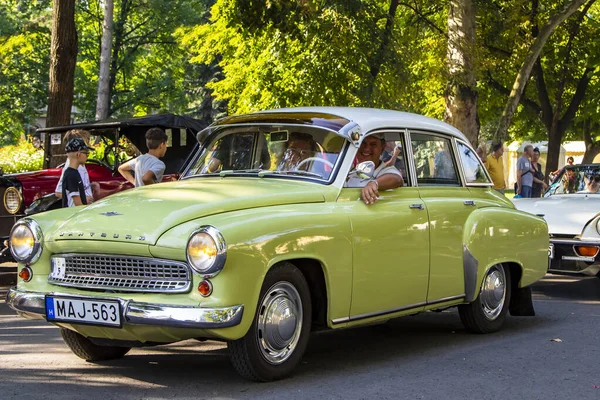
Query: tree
[63, 56]
[461, 92]
[561, 75]
[533, 53]
[24, 60]
[103, 98]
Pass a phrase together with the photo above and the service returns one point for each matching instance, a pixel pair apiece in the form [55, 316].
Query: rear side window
[474, 169]
[434, 161]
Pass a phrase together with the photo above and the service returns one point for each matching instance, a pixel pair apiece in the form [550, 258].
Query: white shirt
[85, 179]
[355, 181]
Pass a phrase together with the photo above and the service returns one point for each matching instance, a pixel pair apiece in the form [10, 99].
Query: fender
[494, 235]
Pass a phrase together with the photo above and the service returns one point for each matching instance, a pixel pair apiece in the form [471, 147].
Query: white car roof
[370, 119]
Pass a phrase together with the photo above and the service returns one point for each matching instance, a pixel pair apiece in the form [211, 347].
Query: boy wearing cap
[147, 168]
[73, 190]
[89, 191]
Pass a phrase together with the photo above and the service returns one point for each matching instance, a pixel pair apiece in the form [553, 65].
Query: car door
[390, 248]
[449, 203]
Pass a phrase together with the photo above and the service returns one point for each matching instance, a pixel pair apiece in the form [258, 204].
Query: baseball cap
[379, 136]
[76, 144]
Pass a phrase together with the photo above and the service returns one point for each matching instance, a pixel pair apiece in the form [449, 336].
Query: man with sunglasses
[73, 190]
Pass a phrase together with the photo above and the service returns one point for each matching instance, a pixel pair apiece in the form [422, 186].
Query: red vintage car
[33, 192]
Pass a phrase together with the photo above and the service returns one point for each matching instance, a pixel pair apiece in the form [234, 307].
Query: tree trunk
[523, 75]
[592, 148]
[379, 56]
[554, 142]
[63, 56]
[102, 103]
[461, 92]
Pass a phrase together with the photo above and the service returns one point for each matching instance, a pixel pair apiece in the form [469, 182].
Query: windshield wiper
[296, 172]
[239, 171]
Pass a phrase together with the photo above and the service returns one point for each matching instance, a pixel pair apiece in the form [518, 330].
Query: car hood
[565, 214]
[141, 215]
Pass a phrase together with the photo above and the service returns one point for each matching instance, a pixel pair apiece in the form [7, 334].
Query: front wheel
[486, 314]
[83, 347]
[279, 333]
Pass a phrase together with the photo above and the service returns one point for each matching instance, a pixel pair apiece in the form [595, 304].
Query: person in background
[147, 168]
[495, 167]
[539, 186]
[73, 191]
[85, 178]
[570, 162]
[525, 173]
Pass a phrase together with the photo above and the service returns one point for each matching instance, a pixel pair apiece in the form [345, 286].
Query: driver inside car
[384, 177]
[300, 147]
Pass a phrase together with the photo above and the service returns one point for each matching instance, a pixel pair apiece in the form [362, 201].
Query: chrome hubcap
[279, 322]
[493, 292]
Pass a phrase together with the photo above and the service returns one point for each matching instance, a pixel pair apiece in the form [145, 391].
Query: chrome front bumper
[32, 305]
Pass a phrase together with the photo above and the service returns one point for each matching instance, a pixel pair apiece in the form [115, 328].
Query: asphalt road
[428, 356]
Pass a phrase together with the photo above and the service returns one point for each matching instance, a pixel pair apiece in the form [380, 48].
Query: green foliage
[24, 58]
[21, 157]
[149, 73]
[283, 54]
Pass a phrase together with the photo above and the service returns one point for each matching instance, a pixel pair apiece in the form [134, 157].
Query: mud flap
[521, 304]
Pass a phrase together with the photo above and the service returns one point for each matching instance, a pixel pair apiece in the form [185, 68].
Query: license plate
[83, 311]
[551, 251]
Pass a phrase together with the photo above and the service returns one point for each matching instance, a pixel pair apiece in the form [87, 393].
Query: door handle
[417, 206]
[469, 203]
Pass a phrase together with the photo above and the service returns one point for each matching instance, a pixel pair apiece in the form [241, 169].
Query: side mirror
[365, 170]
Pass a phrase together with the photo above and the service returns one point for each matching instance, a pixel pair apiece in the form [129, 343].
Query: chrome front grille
[120, 273]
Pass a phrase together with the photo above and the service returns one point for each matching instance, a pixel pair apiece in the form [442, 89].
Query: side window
[434, 162]
[393, 156]
[474, 170]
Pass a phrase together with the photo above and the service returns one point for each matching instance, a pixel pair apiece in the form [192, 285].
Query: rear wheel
[279, 333]
[83, 347]
[486, 314]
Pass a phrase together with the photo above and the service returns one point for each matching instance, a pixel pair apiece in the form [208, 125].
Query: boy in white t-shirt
[147, 168]
[85, 178]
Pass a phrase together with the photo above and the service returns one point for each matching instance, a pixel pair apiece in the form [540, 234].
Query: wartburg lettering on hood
[143, 215]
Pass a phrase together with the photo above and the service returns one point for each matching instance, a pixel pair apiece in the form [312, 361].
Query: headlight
[26, 241]
[12, 200]
[206, 251]
[598, 226]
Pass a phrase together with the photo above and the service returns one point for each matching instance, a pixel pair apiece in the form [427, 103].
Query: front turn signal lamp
[25, 241]
[206, 251]
[587, 251]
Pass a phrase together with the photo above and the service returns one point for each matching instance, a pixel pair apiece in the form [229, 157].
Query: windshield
[576, 179]
[268, 150]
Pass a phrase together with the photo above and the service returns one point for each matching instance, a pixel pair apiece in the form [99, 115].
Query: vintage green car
[265, 239]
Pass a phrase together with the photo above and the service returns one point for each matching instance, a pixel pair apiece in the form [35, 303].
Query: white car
[571, 207]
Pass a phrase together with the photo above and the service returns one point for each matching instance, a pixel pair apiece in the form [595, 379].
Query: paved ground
[428, 356]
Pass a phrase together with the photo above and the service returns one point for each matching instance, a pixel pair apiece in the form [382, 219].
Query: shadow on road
[562, 287]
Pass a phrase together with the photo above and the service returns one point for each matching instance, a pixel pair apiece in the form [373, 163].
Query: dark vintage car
[32, 192]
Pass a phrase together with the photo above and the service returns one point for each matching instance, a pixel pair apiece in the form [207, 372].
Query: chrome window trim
[402, 134]
[217, 133]
[454, 150]
[461, 167]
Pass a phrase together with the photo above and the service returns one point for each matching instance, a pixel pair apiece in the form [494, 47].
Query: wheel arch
[315, 275]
